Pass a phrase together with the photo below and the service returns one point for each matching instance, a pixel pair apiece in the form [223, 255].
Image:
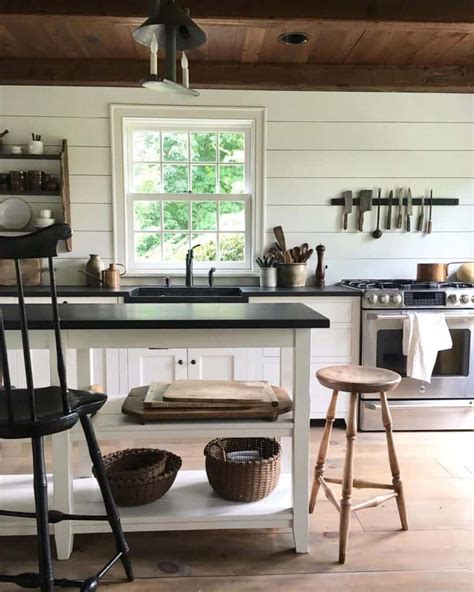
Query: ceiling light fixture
[293, 38]
[171, 28]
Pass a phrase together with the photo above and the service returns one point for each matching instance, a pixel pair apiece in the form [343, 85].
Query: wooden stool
[354, 380]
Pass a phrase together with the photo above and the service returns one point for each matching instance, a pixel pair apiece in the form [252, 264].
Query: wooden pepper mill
[321, 268]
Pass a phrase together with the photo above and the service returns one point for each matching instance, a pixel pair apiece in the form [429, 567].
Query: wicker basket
[140, 476]
[247, 481]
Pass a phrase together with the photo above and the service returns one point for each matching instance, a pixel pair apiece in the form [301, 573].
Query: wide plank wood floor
[435, 555]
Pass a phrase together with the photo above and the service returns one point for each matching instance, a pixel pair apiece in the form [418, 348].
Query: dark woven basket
[247, 481]
[140, 476]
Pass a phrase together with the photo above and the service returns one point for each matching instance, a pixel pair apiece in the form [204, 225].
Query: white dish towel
[424, 335]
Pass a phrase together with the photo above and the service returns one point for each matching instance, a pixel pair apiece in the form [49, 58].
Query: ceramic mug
[16, 149]
[18, 181]
[45, 214]
[35, 147]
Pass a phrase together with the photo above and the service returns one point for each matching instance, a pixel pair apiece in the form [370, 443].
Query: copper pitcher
[111, 276]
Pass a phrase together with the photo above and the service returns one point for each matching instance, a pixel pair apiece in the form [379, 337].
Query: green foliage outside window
[204, 162]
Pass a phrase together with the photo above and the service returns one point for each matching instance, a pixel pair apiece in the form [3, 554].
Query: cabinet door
[155, 365]
[40, 367]
[217, 364]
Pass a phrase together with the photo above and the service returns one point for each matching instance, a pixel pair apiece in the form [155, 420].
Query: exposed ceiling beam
[106, 72]
[414, 11]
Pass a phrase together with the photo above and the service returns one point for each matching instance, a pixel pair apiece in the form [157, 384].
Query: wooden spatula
[280, 236]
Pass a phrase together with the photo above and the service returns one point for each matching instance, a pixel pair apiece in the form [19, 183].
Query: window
[186, 182]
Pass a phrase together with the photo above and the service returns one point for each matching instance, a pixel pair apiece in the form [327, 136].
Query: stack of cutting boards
[207, 399]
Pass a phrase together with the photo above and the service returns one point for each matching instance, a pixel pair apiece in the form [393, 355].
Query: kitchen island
[190, 504]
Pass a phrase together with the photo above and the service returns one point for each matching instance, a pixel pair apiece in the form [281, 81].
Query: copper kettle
[110, 277]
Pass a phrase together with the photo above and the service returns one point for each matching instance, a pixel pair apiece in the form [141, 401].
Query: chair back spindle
[5, 370]
[25, 342]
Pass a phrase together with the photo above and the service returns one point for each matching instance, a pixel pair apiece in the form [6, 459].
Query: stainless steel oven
[447, 403]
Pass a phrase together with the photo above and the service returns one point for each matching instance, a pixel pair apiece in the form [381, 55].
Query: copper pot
[433, 272]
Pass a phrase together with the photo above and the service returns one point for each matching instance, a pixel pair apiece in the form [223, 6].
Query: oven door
[452, 375]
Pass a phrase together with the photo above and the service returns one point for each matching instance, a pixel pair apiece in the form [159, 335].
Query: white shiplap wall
[318, 144]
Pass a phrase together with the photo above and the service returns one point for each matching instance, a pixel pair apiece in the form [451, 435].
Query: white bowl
[43, 222]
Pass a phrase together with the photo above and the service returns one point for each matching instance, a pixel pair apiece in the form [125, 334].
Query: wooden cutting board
[206, 391]
[133, 406]
[30, 272]
[154, 399]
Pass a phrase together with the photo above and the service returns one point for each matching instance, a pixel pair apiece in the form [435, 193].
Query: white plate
[15, 213]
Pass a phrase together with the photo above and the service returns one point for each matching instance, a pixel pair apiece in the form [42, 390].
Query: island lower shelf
[190, 504]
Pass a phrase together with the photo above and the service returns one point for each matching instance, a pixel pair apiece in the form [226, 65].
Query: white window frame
[123, 117]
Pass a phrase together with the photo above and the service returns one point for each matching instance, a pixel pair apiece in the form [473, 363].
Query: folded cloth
[424, 335]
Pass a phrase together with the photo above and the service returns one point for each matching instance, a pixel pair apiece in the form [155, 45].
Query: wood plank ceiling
[353, 44]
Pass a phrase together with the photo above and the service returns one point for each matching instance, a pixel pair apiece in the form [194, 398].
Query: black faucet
[189, 266]
[210, 277]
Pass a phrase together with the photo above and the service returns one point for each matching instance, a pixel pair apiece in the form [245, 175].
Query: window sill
[196, 273]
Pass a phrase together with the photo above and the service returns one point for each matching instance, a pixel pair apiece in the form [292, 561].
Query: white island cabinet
[191, 504]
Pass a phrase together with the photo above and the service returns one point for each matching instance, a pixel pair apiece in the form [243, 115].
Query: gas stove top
[413, 294]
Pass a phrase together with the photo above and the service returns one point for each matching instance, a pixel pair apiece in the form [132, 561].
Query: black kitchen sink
[183, 294]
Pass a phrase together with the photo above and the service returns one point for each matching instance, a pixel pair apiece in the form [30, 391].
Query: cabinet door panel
[217, 364]
[335, 342]
[149, 365]
[40, 366]
[271, 370]
[321, 396]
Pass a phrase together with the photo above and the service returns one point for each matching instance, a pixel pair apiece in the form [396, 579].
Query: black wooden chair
[37, 412]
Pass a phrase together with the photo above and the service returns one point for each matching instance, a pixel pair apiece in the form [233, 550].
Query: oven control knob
[465, 299]
[372, 298]
[384, 298]
[453, 298]
[396, 298]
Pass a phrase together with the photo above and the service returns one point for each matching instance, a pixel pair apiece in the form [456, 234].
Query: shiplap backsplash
[318, 145]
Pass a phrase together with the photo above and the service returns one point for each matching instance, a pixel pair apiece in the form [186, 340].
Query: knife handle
[345, 218]
[408, 224]
[388, 225]
[399, 220]
[361, 222]
[430, 227]
[421, 222]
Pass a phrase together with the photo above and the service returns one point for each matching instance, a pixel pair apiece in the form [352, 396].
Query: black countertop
[170, 316]
[124, 291]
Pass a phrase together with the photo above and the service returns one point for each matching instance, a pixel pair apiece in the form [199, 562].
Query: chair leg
[323, 450]
[111, 508]
[347, 480]
[40, 485]
[393, 460]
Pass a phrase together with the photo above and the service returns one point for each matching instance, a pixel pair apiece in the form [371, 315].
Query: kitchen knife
[347, 195]
[365, 205]
[430, 215]
[409, 210]
[400, 209]
[421, 216]
[388, 224]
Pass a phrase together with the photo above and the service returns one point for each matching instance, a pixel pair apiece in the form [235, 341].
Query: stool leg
[393, 460]
[347, 480]
[323, 450]
[109, 503]
[42, 523]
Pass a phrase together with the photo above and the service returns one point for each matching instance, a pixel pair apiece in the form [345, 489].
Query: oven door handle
[427, 405]
[380, 317]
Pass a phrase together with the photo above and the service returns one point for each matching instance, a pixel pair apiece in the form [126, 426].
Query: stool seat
[358, 379]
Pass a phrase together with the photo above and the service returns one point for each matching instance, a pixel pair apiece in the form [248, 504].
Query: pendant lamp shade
[166, 13]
